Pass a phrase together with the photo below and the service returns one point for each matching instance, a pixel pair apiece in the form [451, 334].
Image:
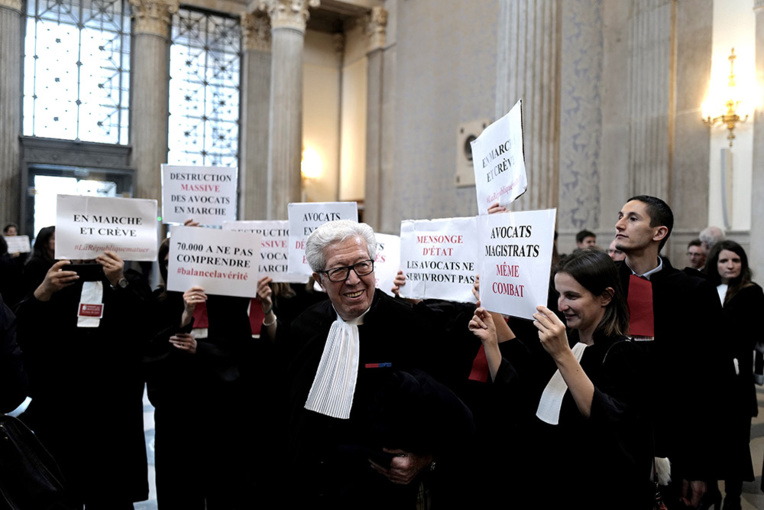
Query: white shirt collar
[651, 272]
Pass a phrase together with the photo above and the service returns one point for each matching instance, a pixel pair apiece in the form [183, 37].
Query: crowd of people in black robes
[226, 393]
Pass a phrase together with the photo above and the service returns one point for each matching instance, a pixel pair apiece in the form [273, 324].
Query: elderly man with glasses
[364, 425]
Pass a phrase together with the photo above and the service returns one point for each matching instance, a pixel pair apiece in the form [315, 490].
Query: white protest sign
[274, 250]
[206, 194]
[304, 218]
[221, 262]
[18, 244]
[499, 161]
[516, 261]
[439, 258]
[88, 226]
[388, 261]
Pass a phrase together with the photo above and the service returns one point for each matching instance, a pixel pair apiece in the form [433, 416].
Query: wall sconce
[310, 168]
[732, 98]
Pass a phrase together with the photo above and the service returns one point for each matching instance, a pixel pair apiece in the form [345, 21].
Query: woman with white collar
[742, 300]
[579, 395]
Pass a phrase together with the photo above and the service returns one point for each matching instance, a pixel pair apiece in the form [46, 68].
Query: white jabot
[721, 289]
[92, 293]
[334, 385]
[551, 399]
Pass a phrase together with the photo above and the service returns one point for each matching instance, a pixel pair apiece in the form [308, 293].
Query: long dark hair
[712, 268]
[595, 271]
[40, 249]
[164, 249]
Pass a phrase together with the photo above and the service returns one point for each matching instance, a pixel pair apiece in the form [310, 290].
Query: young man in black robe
[676, 317]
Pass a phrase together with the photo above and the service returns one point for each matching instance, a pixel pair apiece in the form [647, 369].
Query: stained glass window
[205, 61]
[76, 70]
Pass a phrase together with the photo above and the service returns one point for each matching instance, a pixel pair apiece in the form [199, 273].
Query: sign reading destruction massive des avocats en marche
[499, 161]
[387, 261]
[206, 194]
[221, 262]
[89, 226]
[439, 258]
[304, 218]
[515, 261]
[274, 250]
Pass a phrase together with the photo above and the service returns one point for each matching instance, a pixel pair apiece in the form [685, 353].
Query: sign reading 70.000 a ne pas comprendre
[219, 261]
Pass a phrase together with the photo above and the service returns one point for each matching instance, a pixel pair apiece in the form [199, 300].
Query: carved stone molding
[11, 4]
[376, 28]
[154, 16]
[338, 41]
[256, 31]
[292, 14]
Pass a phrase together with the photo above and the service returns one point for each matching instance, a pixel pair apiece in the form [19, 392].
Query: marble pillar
[580, 116]
[256, 94]
[375, 24]
[288, 21]
[689, 184]
[149, 103]
[528, 68]
[756, 252]
[650, 70]
[11, 19]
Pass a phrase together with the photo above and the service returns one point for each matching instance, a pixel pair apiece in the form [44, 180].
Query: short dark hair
[595, 271]
[584, 234]
[8, 227]
[694, 242]
[660, 214]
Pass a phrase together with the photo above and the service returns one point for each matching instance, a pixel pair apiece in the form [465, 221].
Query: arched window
[76, 70]
[205, 63]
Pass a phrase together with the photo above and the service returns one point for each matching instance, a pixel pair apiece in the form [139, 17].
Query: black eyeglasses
[340, 274]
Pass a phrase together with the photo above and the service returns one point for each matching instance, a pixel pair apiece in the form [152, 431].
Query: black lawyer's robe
[87, 388]
[600, 462]
[690, 369]
[742, 332]
[396, 405]
[201, 458]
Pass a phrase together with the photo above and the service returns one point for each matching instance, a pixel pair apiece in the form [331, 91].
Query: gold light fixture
[731, 117]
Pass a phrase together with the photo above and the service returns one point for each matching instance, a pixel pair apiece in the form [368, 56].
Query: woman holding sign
[193, 368]
[82, 334]
[43, 256]
[578, 395]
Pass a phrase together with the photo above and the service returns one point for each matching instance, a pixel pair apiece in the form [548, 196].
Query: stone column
[528, 68]
[580, 117]
[756, 252]
[288, 20]
[256, 97]
[150, 79]
[650, 70]
[376, 23]
[11, 19]
[690, 139]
